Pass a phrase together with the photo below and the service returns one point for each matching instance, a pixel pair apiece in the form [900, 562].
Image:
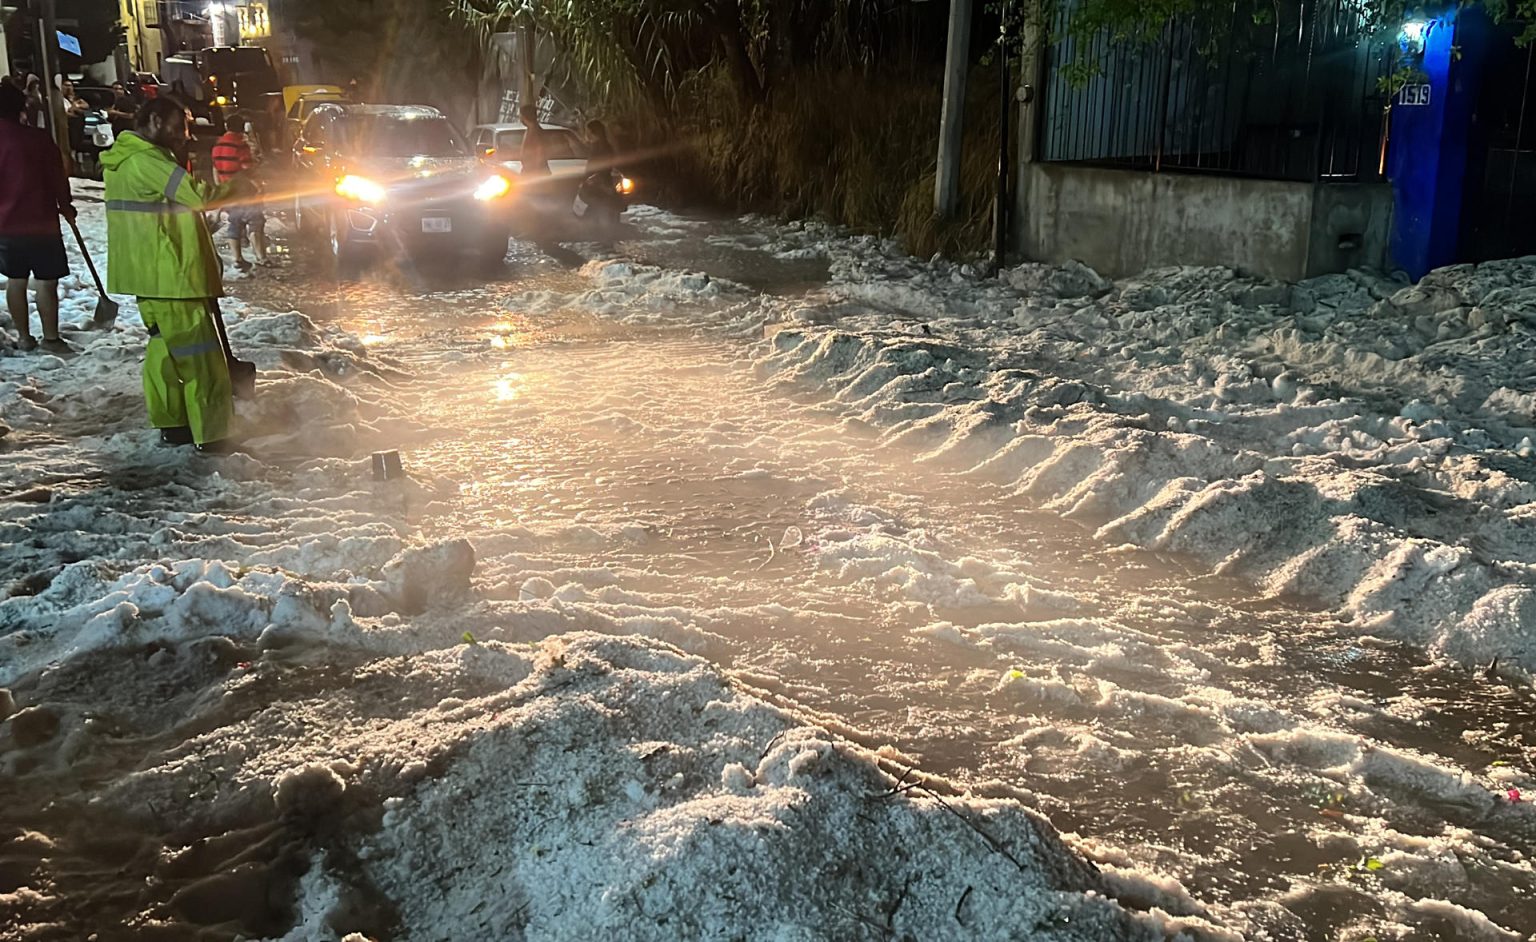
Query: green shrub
[855, 148]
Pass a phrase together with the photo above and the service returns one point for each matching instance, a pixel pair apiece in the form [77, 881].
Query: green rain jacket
[158, 244]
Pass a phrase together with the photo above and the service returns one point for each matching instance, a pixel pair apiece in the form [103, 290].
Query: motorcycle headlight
[493, 188]
[624, 187]
[360, 189]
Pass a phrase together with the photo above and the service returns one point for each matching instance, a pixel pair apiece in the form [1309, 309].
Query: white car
[567, 153]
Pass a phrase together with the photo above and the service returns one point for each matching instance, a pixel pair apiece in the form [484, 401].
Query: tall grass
[853, 147]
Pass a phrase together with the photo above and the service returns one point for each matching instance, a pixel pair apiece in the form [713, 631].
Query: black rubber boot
[176, 435]
[223, 446]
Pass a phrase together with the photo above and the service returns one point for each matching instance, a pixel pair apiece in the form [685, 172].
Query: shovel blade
[106, 312]
[242, 378]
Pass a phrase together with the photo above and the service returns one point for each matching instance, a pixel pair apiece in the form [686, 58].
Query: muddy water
[1299, 782]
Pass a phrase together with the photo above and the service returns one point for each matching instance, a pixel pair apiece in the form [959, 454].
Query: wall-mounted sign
[69, 43]
[1413, 95]
[510, 106]
[254, 23]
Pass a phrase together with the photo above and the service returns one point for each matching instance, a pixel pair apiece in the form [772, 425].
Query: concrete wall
[1122, 222]
[1351, 227]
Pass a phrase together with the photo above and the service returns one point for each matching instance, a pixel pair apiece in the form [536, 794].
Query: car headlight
[221, 101]
[494, 188]
[624, 187]
[360, 189]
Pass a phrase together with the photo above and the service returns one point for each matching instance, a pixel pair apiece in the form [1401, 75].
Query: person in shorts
[235, 165]
[34, 193]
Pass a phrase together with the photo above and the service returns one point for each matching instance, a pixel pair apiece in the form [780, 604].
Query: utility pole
[49, 40]
[946, 191]
[1032, 73]
[1005, 95]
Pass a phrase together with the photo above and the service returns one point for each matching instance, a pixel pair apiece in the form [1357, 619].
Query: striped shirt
[232, 156]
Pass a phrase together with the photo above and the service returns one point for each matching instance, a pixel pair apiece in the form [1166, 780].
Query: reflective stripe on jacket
[158, 245]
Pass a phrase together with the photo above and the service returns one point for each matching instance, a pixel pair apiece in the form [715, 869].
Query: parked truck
[220, 80]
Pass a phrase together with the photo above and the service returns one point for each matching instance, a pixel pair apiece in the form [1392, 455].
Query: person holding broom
[159, 249]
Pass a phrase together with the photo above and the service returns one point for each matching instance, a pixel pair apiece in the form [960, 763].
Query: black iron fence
[1498, 214]
[1296, 98]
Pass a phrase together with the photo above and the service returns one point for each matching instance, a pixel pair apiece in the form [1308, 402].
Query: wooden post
[946, 193]
[5, 58]
[1005, 112]
[527, 94]
[57, 120]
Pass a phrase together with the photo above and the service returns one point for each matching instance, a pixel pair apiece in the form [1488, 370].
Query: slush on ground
[757, 581]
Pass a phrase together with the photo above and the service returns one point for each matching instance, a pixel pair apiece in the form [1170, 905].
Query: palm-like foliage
[619, 47]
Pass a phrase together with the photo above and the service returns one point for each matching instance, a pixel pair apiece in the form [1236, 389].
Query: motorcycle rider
[159, 249]
[121, 111]
[597, 188]
[600, 151]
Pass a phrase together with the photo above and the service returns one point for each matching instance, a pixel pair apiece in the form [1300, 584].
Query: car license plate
[436, 224]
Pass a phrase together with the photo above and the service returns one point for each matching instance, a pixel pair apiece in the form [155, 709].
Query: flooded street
[1297, 781]
[707, 471]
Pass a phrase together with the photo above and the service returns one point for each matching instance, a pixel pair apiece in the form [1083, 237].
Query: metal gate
[1293, 99]
[1498, 216]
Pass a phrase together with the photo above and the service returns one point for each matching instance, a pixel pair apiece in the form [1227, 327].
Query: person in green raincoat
[159, 249]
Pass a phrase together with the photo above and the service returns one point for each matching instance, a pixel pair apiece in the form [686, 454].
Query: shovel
[106, 308]
[242, 373]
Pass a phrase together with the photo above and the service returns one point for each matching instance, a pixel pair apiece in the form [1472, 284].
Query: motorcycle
[603, 197]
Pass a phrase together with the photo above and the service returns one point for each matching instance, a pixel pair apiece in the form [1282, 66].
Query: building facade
[157, 29]
[142, 34]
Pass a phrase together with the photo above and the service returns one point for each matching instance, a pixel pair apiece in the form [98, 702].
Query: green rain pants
[186, 378]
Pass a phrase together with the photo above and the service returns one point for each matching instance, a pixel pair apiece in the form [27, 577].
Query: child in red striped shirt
[234, 163]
